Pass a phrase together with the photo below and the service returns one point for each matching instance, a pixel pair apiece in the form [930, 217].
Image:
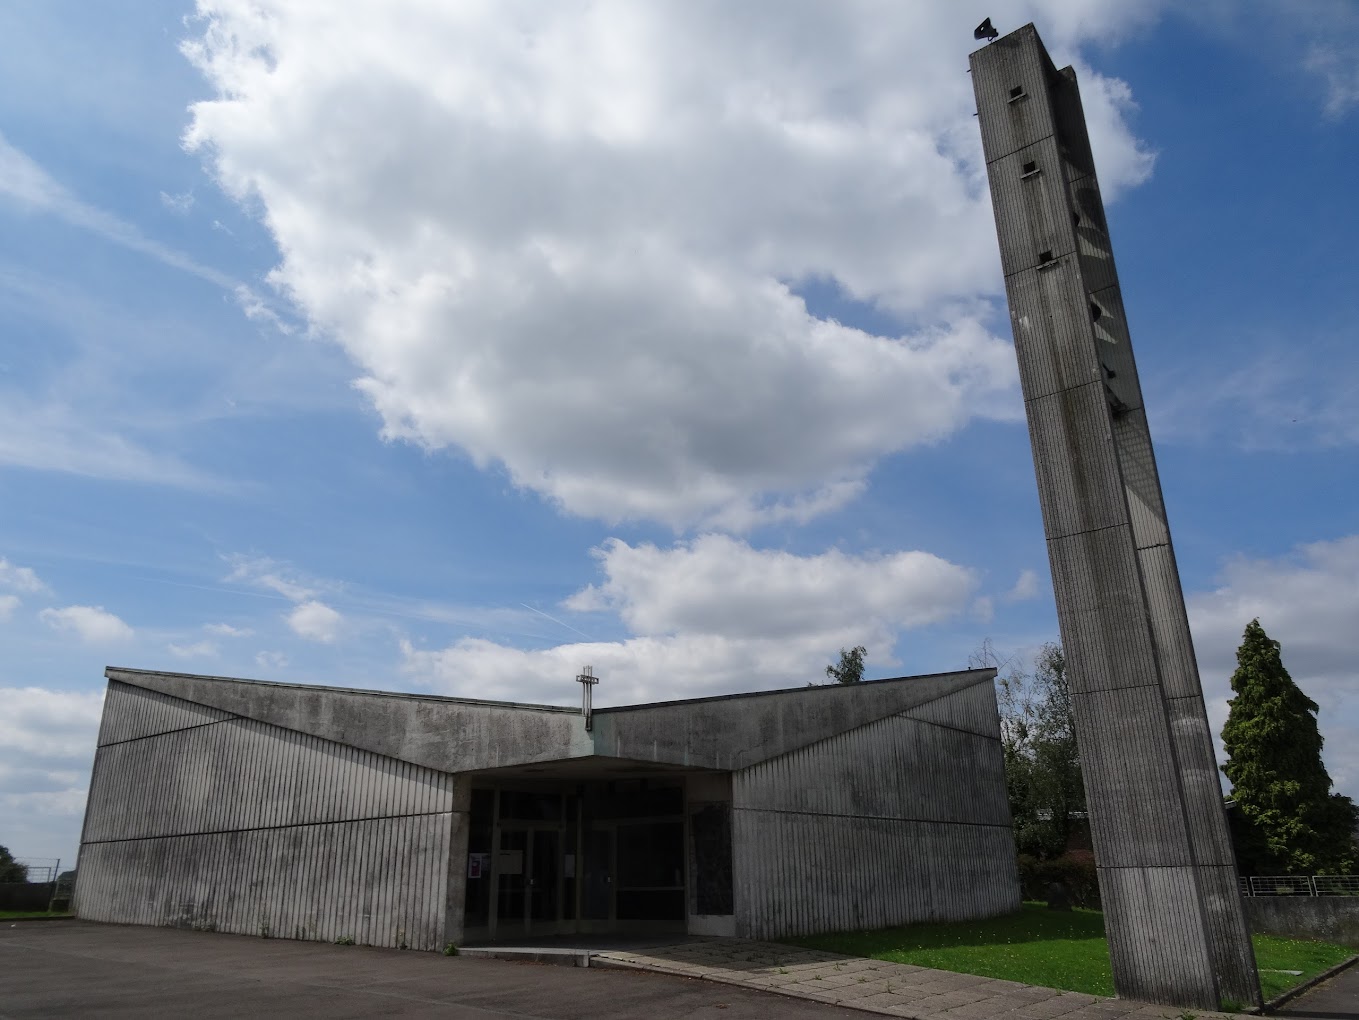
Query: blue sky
[450, 349]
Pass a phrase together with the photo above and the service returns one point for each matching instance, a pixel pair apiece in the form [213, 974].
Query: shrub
[1075, 870]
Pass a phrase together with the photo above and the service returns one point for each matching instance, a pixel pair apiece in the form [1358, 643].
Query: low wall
[26, 895]
[1328, 918]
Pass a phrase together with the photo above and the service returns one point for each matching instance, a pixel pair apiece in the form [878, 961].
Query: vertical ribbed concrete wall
[198, 818]
[1176, 929]
[904, 819]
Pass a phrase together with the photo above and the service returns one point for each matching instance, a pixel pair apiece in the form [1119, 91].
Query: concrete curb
[1310, 983]
[16, 920]
[557, 957]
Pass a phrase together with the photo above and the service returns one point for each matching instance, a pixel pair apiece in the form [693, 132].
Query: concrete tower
[1167, 875]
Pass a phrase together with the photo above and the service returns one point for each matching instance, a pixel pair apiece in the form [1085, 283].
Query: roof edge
[124, 674]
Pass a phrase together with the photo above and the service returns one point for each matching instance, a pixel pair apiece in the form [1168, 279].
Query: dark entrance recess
[562, 857]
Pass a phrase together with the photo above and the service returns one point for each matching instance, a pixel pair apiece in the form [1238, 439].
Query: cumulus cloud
[722, 586]
[47, 742]
[569, 242]
[1309, 602]
[92, 624]
[19, 578]
[315, 621]
[714, 614]
[8, 603]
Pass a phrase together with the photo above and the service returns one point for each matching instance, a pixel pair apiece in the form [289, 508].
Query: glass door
[544, 887]
[512, 857]
[528, 882]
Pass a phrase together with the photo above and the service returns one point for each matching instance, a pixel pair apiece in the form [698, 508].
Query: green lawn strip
[1052, 948]
[1273, 954]
[6, 915]
[1036, 946]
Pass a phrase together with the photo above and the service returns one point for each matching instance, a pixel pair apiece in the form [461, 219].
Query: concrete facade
[1177, 933]
[402, 820]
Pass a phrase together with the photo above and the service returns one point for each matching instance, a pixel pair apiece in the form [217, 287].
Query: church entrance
[576, 857]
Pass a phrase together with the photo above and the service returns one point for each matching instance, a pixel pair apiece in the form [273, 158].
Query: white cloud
[718, 585]
[227, 630]
[20, 578]
[256, 309]
[26, 183]
[51, 437]
[180, 203]
[1309, 602]
[315, 621]
[47, 741]
[270, 660]
[44, 723]
[92, 624]
[563, 241]
[714, 615]
[1338, 67]
[197, 650]
[1026, 587]
[8, 603]
[263, 572]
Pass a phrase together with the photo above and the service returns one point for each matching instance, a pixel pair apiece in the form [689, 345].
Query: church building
[408, 820]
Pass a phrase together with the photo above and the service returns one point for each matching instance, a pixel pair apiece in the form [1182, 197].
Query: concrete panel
[1138, 819]
[1169, 625]
[1198, 773]
[1164, 963]
[1028, 185]
[1233, 958]
[822, 843]
[735, 732]
[241, 774]
[236, 825]
[130, 713]
[797, 874]
[1077, 494]
[379, 881]
[830, 778]
[1105, 633]
[972, 710]
[1113, 343]
[446, 734]
[1053, 346]
[1009, 122]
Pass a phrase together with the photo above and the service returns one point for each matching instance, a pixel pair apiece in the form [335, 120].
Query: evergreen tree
[1286, 822]
[10, 869]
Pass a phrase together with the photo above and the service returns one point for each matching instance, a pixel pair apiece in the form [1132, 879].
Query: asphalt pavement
[77, 969]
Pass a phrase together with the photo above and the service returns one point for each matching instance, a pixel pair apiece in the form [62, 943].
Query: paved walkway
[1334, 999]
[889, 989]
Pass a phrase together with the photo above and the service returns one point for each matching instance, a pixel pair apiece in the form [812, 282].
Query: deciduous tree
[851, 667]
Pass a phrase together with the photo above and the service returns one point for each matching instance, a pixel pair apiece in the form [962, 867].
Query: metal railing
[1299, 885]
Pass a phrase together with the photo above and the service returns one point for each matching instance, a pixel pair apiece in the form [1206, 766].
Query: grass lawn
[1038, 946]
[6, 915]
